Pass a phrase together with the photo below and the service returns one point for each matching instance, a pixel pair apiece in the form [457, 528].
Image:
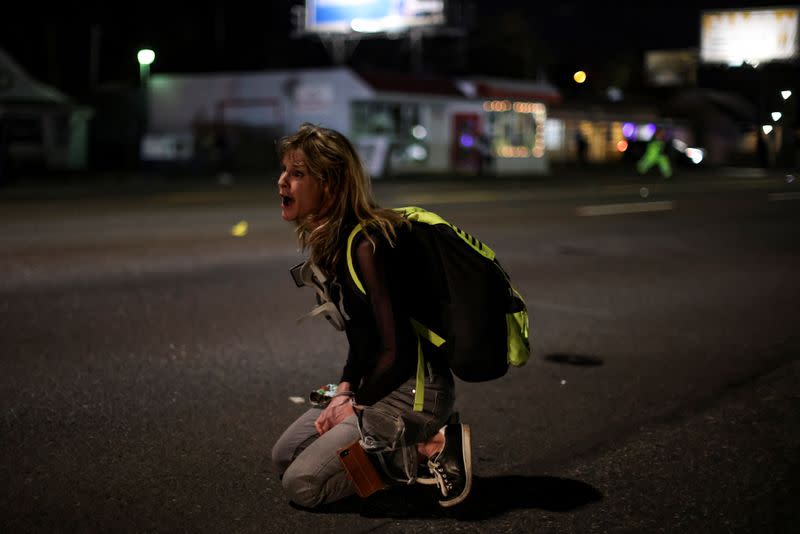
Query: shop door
[465, 155]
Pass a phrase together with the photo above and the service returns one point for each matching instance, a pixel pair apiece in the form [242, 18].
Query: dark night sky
[506, 38]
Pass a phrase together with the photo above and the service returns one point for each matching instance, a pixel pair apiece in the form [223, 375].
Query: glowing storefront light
[647, 132]
[527, 107]
[622, 145]
[417, 152]
[533, 129]
[509, 151]
[695, 154]
[554, 134]
[786, 94]
[679, 145]
[579, 76]
[497, 105]
[776, 116]
[419, 132]
[466, 140]
[614, 94]
[767, 128]
[628, 130]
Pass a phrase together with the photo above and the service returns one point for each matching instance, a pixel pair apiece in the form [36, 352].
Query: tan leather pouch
[360, 470]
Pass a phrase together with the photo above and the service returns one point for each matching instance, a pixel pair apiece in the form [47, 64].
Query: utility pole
[94, 56]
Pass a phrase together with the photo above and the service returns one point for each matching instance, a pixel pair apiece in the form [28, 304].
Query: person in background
[656, 154]
[224, 155]
[484, 145]
[582, 146]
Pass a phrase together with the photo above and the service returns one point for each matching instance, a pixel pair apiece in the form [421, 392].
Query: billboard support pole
[340, 46]
[415, 37]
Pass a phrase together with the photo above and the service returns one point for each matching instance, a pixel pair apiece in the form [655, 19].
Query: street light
[786, 94]
[579, 76]
[145, 57]
[776, 116]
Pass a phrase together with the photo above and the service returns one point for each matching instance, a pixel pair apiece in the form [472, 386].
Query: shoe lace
[440, 478]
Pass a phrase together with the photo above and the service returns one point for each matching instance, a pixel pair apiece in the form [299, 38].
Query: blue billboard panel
[336, 11]
[347, 16]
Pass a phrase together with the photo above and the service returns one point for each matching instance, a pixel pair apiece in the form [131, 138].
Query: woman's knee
[288, 448]
[301, 486]
[281, 456]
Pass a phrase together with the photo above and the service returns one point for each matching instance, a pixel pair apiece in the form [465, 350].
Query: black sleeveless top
[383, 346]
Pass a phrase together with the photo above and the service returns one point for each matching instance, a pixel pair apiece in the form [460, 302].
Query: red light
[622, 146]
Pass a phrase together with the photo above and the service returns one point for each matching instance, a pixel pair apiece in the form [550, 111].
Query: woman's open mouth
[286, 201]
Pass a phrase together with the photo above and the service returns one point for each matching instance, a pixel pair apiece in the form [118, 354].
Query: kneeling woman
[325, 191]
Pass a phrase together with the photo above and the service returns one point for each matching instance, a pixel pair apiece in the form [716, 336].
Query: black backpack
[462, 301]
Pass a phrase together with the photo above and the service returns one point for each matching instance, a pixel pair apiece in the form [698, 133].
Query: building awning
[513, 90]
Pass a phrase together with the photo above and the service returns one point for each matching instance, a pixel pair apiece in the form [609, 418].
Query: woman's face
[300, 192]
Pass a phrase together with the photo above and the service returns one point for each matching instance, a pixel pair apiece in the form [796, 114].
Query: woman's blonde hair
[347, 198]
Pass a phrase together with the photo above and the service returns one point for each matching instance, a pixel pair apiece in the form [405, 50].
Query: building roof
[405, 83]
[17, 86]
[495, 88]
[472, 88]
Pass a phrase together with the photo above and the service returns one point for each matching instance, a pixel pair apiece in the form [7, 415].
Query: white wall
[282, 99]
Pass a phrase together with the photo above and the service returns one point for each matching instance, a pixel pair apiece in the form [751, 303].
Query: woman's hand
[339, 409]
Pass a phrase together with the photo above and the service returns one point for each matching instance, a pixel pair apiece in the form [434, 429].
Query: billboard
[371, 16]
[752, 36]
[664, 68]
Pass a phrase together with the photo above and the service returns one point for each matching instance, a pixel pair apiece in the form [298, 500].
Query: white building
[400, 123]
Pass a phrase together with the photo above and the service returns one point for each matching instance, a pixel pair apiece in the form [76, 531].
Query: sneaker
[452, 467]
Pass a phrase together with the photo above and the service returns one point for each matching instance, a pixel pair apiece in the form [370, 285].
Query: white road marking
[628, 207]
[775, 197]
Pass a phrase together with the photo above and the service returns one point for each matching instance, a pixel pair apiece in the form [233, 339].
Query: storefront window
[517, 128]
[402, 124]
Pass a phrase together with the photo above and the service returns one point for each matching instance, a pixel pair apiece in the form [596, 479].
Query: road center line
[628, 207]
[775, 197]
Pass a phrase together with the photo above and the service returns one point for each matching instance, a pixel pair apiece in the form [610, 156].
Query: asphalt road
[149, 358]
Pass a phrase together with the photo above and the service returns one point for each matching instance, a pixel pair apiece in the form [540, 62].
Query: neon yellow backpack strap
[519, 349]
[419, 388]
[350, 267]
[427, 333]
[414, 213]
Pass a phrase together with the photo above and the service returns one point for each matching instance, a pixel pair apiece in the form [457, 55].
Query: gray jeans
[311, 471]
